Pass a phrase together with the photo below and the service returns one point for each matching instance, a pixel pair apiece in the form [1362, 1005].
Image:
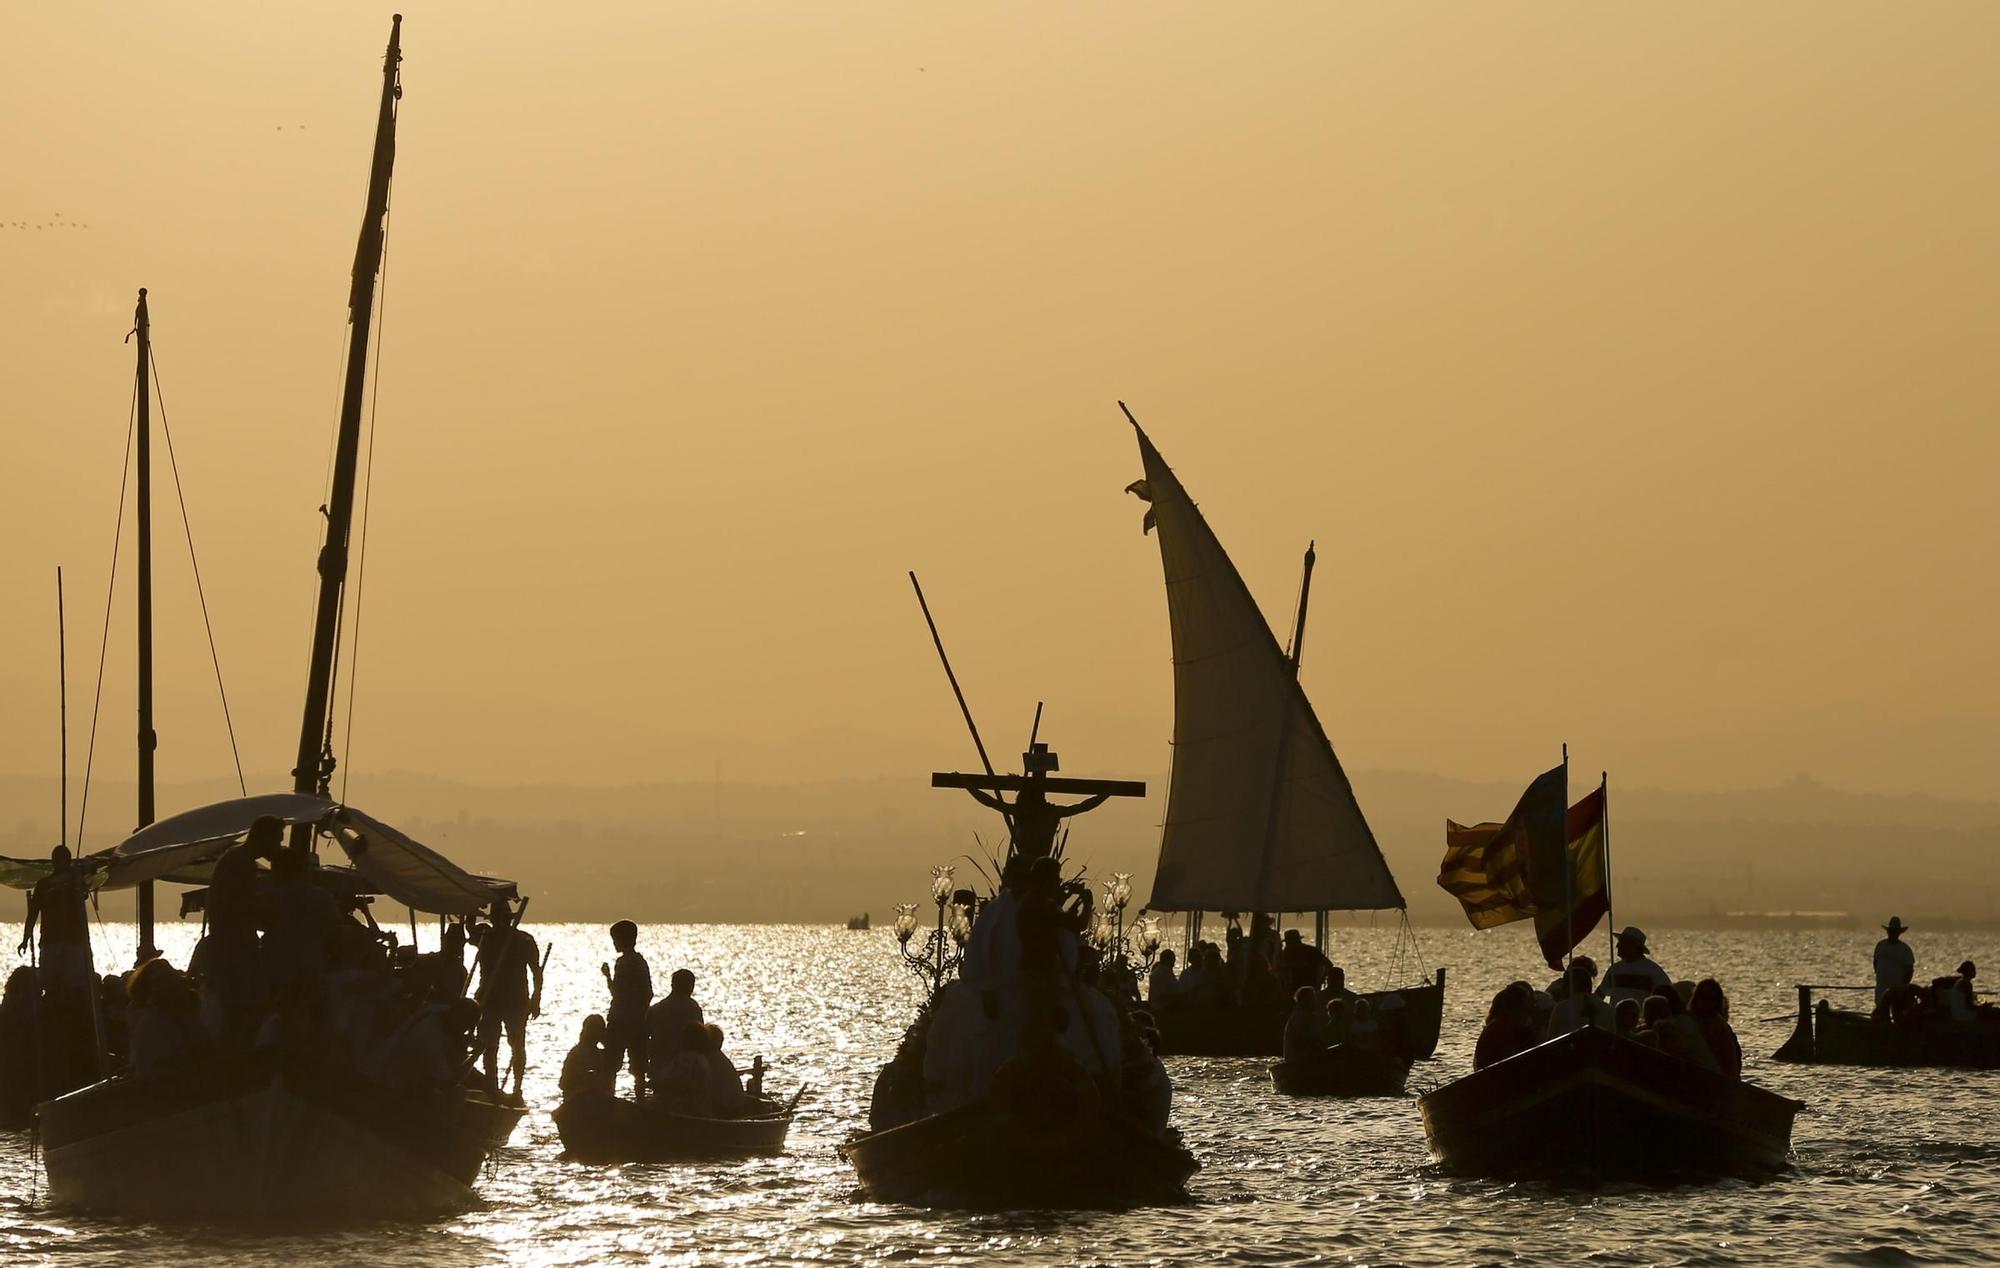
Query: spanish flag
[1502, 872]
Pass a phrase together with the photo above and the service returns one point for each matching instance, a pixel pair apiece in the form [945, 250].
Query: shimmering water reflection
[1892, 1168]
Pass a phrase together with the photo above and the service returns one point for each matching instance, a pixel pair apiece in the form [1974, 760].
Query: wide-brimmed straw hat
[1896, 925]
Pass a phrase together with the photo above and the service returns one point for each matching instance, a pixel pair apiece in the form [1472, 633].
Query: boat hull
[1832, 1036]
[215, 1142]
[612, 1129]
[979, 1157]
[1342, 1071]
[1589, 1106]
[1258, 1030]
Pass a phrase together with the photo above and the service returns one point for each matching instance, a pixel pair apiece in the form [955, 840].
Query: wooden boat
[616, 1129]
[289, 1137]
[985, 1156]
[1825, 1035]
[1260, 815]
[1343, 1070]
[1258, 1030]
[223, 1141]
[1590, 1106]
[858, 924]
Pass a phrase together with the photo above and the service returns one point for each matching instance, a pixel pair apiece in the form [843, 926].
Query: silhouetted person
[508, 961]
[589, 1069]
[1302, 964]
[163, 1019]
[1675, 1032]
[683, 1081]
[1161, 985]
[57, 901]
[440, 974]
[1710, 1010]
[1578, 1006]
[20, 1056]
[631, 986]
[1305, 1028]
[667, 1023]
[299, 930]
[1895, 961]
[1633, 975]
[1509, 1029]
[1957, 995]
[1625, 1019]
[725, 1086]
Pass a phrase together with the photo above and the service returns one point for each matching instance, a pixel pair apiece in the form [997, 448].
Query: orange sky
[1633, 367]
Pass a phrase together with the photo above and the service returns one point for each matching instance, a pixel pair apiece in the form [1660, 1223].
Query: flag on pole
[1502, 872]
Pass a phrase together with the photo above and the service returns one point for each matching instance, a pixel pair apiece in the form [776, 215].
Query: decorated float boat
[1589, 1106]
[1260, 816]
[1825, 1035]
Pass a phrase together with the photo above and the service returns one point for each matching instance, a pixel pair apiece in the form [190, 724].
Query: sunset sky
[1633, 366]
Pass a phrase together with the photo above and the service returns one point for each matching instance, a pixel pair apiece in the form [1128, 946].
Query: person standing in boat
[1633, 974]
[1161, 985]
[1300, 964]
[631, 986]
[1305, 1030]
[508, 957]
[57, 901]
[1895, 960]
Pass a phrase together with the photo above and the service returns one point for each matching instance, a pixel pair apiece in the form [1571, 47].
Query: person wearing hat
[1301, 964]
[1633, 974]
[1895, 962]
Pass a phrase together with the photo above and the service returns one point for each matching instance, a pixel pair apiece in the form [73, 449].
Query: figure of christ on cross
[1032, 818]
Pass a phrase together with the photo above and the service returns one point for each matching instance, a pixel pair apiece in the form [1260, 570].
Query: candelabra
[1118, 945]
[943, 947]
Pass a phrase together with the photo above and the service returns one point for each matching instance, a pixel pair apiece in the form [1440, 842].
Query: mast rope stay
[104, 640]
[194, 563]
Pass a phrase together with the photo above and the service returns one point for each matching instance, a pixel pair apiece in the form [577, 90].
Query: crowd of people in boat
[1901, 1000]
[675, 1056]
[1036, 1013]
[1252, 967]
[1636, 1000]
[288, 970]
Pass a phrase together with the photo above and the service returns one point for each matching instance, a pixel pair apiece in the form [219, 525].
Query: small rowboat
[1826, 1035]
[982, 1156]
[614, 1129]
[1590, 1106]
[1343, 1070]
[1258, 1030]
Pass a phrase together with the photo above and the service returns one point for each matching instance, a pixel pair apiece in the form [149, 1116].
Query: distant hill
[818, 852]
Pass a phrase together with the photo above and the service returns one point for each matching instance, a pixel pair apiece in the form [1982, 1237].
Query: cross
[1034, 818]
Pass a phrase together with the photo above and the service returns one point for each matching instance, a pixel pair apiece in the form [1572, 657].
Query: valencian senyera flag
[1502, 872]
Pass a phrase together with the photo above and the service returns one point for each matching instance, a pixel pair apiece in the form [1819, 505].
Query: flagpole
[1569, 872]
[1604, 801]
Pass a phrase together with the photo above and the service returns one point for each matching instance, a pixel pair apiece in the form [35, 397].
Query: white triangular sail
[1260, 816]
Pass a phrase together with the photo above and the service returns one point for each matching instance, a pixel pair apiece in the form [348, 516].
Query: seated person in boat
[631, 986]
[426, 1048]
[667, 1023]
[589, 1069]
[508, 958]
[1161, 985]
[682, 1078]
[1710, 1009]
[1365, 1028]
[1895, 961]
[1633, 974]
[1957, 997]
[1674, 1032]
[1625, 1019]
[1510, 1026]
[20, 1069]
[1302, 964]
[725, 1086]
[440, 975]
[163, 1019]
[300, 924]
[1305, 1028]
[1579, 1005]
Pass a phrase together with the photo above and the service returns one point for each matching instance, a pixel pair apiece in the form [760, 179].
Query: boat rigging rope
[367, 494]
[194, 562]
[104, 643]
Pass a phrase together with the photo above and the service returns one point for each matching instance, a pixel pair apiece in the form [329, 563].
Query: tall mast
[314, 772]
[147, 740]
[1305, 594]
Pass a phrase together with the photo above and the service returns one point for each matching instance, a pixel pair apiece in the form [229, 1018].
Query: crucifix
[1033, 817]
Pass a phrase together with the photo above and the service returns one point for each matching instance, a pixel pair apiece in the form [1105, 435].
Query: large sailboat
[280, 1131]
[1261, 819]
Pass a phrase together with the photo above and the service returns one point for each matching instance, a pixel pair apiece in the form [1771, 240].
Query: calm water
[1890, 1168]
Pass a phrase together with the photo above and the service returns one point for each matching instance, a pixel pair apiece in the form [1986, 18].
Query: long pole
[62, 706]
[148, 741]
[1569, 870]
[952, 678]
[313, 773]
[1296, 656]
[1610, 923]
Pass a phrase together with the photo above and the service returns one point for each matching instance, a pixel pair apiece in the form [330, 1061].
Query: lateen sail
[1260, 816]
